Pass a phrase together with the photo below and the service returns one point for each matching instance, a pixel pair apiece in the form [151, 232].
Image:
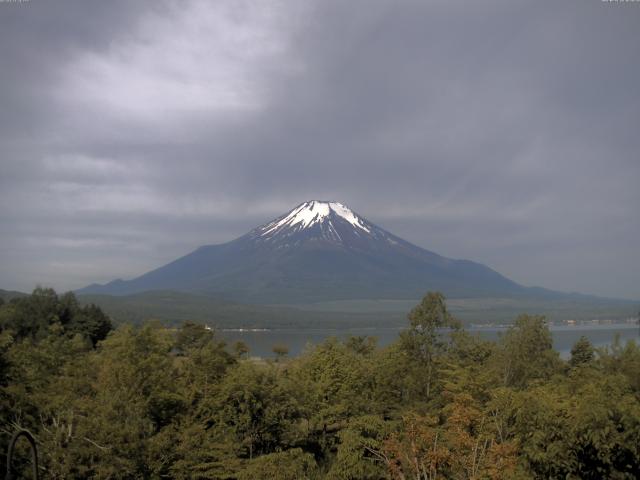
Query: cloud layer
[503, 132]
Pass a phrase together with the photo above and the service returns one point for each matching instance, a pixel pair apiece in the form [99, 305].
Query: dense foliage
[153, 402]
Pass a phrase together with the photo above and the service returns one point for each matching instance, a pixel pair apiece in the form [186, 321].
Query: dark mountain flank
[319, 251]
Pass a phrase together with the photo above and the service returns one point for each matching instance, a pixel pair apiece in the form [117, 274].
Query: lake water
[261, 342]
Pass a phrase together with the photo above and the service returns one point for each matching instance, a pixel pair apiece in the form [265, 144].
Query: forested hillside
[157, 402]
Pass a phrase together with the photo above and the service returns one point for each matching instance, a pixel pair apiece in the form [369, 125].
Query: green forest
[151, 401]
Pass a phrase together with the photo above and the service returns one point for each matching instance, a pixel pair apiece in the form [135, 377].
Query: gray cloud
[504, 132]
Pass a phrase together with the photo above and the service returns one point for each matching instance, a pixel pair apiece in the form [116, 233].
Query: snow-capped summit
[313, 212]
[320, 221]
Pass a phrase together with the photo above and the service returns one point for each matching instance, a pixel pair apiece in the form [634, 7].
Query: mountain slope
[316, 252]
[8, 295]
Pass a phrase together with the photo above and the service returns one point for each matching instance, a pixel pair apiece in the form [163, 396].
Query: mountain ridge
[319, 251]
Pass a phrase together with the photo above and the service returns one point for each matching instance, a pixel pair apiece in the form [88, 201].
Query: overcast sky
[504, 132]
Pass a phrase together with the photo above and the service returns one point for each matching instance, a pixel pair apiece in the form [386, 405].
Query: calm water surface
[261, 342]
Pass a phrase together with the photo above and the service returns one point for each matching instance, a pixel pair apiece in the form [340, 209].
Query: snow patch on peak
[312, 212]
[346, 213]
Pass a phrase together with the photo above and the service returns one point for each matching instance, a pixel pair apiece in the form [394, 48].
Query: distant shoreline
[472, 327]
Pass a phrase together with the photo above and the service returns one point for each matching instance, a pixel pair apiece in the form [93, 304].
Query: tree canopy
[157, 402]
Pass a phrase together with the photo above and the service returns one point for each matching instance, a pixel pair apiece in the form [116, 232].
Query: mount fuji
[319, 251]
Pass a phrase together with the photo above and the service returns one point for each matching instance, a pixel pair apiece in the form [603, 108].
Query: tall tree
[427, 338]
[254, 407]
[582, 352]
[526, 352]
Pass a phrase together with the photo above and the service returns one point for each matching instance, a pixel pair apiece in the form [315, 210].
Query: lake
[261, 342]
